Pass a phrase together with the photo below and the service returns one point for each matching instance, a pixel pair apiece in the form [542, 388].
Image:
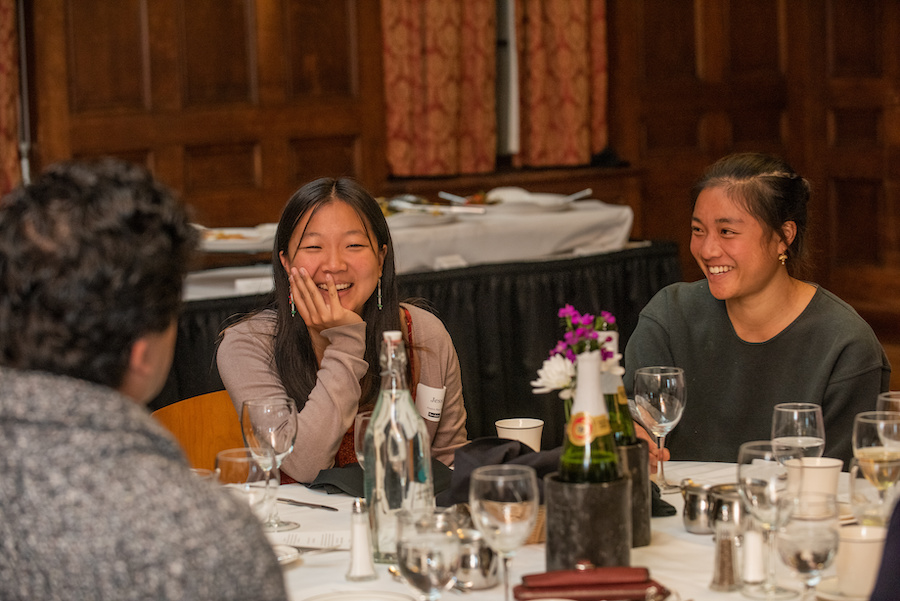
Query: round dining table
[679, 560]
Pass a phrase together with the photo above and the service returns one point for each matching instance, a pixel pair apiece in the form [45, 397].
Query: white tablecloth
[676, 558]
[500, 237]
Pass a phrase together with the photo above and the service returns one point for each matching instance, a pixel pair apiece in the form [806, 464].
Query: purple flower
[608, 317]
[586, 320]
[568, 311]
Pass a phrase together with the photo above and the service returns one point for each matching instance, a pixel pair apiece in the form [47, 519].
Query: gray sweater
[828, 356]
[97, 502]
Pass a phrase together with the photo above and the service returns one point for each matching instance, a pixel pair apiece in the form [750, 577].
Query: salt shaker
[362, 565]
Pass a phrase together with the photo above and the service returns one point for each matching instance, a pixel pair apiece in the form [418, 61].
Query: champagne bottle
[617, 401]
[397, 453]
[589, 449]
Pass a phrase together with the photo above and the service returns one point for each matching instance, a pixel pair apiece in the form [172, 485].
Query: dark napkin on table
[349, 479]
[491, 450]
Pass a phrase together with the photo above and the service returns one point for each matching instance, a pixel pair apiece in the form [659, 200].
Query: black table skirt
[502, 319]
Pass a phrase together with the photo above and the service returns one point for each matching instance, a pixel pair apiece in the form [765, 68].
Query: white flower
[557, 373]
[612, 365]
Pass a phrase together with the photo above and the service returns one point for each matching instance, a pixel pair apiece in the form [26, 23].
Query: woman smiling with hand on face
[751, 335]
[317, 339]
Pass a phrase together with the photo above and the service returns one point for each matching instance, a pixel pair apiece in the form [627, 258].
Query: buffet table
[677, 559]
[502, 318]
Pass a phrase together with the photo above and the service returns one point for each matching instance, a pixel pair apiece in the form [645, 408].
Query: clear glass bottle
[589, 449]
[397, 453]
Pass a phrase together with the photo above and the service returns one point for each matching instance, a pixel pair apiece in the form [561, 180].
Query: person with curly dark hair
[97, 500]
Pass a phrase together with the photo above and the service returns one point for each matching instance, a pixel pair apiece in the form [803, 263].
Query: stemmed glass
[659, 398]
[428, 548]
[799, 425]
[888, 401]
[503, 502]
[360, 425]
[763, 485]
[271, 424]
[876, 451]
[808, 542]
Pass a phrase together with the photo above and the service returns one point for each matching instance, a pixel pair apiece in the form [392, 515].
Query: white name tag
[430, 402]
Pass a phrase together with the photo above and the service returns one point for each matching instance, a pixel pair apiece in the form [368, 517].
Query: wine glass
[428, 548]
[271, 424]
[766, 492]
[872, 502]
[808, 542]
[876, 451]
[659, 398]
[240, 472]
[503, 502]
[799, 425]
[360, 425]
[888, 401]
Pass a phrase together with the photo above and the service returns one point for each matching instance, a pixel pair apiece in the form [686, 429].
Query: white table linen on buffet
[425, 242]
[679, 560]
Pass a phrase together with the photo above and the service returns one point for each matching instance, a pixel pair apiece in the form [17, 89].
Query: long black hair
[295, 359]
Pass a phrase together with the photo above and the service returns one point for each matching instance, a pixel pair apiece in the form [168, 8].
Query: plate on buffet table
[519, 200]
[418, 219]
[237, 239]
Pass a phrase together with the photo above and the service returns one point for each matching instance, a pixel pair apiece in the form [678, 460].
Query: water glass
[428, 548]
[241, 474]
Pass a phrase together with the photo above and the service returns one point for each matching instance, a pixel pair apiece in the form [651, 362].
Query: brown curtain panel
[561, 50]
[9, 95]
[439, 78]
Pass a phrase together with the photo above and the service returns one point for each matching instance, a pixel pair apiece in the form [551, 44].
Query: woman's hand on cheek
[318, 312]
[655, 455]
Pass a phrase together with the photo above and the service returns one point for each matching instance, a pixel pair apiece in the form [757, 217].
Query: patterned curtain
[439, 78]
[9, 90]
[561, 49]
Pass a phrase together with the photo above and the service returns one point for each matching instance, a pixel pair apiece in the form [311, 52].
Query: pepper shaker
[362, 565]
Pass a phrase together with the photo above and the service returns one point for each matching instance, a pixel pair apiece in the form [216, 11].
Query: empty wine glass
[659, 398]
[503, 501]
[808, 541]
[799, 425]
[888, 401]
[428, 548]
[240, 472]
[360, 425]
[271, 424]
[765, 490]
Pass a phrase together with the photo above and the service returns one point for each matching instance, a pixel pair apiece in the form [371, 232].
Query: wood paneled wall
[238, 102]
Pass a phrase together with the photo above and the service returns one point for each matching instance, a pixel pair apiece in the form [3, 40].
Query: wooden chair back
[204, 425]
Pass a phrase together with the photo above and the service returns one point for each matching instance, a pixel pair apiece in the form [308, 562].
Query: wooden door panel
[235, 103]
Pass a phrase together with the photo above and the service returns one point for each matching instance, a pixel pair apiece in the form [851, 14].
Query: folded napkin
[349, 479]
[658, 507]
[491, 450]
[593, 584]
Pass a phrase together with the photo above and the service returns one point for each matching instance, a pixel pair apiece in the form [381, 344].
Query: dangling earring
[782, 257]
[378, 297]
[293, 307]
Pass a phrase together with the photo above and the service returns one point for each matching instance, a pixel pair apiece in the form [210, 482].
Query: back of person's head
[770, 190]
[92, 257]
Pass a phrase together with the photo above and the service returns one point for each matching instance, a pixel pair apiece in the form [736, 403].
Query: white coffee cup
[859, 558]
[816, 474]
[527, 430]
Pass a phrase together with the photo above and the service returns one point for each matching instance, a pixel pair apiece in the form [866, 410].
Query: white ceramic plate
[417, 219]
[361, 596]
[828, 590]
[237, 239]
[286, 554]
